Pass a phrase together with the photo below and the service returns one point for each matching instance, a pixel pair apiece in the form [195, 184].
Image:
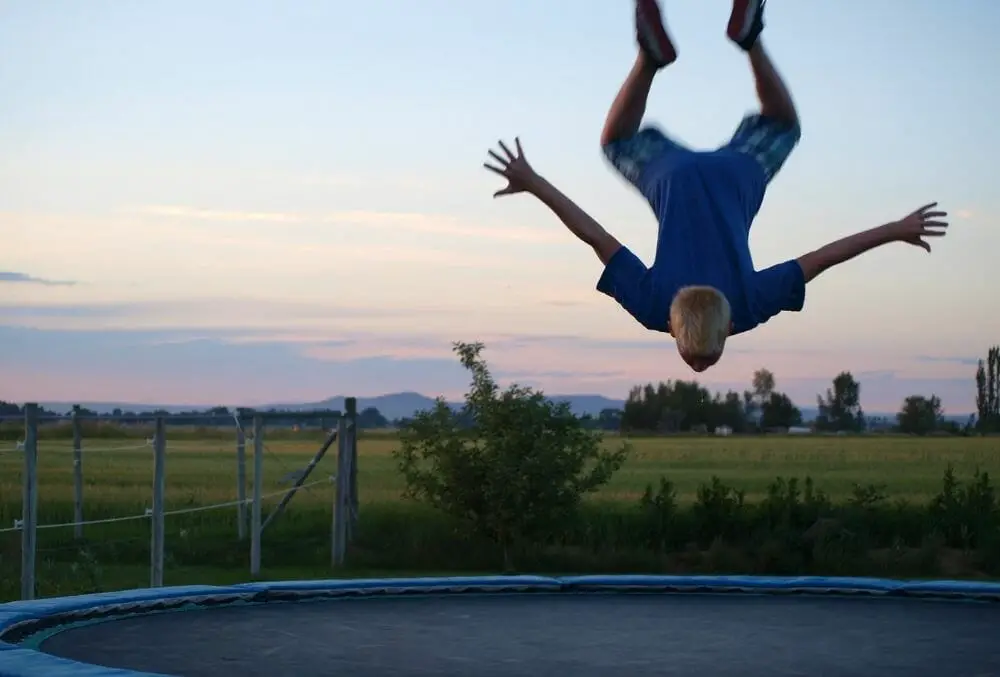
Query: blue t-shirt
[705, 203]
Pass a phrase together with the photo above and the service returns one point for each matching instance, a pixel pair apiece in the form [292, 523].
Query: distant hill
[404, 405]
[392, 406]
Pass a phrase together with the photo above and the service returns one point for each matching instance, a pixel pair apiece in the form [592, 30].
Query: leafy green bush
[718, 512]
[518, 475]
[660, 516]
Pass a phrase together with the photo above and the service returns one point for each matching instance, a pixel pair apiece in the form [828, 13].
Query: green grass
[200, 472]
[202, 547]
[118, 476]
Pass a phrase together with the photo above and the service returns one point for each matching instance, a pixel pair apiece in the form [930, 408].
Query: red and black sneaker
[746, 22]
[652, 35]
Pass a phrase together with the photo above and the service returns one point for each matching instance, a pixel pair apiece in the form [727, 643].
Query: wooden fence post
[241, 477]
[29, 502]
[351, 407]
[77, 473]
[340, 498]
[159, 489]
[258, 487]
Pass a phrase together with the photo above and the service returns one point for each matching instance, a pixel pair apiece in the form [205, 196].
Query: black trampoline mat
[538, 634]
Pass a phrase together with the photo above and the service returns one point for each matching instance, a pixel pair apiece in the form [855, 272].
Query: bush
[518, 474]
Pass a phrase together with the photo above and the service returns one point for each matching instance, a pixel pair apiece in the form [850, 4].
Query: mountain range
[393, 406]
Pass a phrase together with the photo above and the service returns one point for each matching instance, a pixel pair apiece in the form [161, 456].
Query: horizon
[138, 407]
[252, 218]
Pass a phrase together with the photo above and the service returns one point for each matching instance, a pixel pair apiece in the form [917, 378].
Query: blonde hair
[700, 319]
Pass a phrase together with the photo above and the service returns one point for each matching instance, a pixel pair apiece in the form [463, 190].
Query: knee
[792, 134]
[796, 130]
[630, 138]
[786, 122]
[609, 137]
[610, 148]
[789, 124]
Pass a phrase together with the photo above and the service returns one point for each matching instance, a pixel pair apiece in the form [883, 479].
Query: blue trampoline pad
[503, 626]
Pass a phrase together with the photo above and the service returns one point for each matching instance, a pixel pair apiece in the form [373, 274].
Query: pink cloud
[279, 320]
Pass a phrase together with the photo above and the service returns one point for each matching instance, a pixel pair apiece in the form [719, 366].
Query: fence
[344, 507]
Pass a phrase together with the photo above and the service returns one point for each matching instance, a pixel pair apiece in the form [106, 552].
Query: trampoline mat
[579, 635]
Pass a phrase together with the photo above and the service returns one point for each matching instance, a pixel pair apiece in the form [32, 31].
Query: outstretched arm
[521, 178]
[578, 221]
[912, 229]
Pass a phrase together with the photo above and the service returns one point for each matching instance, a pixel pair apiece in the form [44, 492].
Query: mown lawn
[118, 475]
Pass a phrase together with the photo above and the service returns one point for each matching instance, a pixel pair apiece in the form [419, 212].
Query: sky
[242, 202]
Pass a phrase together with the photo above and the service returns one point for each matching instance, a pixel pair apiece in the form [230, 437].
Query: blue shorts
[767, 140]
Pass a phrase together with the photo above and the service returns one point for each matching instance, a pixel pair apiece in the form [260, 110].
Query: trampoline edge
[29, 617]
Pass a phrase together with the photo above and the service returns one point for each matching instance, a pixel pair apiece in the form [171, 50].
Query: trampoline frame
[30, 622]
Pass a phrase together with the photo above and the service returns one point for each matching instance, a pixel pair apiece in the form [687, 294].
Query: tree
[771, 409]
[920, 415]
[676, 406]
[841, 409]
[517, 473]
[610, 419]
[988, 392]
[779, 412]
[754, 399]
[763, 385]
[750, 408]
[370, 417]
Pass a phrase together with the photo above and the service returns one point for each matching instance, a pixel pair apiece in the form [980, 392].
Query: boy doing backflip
[702, 286]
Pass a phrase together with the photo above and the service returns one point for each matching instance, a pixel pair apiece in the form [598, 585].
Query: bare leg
[775, 101]
[629, 105]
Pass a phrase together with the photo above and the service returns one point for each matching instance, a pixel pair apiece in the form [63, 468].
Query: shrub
[968, 516]
[718, 511]
[659, 513]
[518, 474]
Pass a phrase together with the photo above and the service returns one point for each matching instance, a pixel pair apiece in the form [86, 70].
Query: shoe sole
[653, 36]
[741, 21]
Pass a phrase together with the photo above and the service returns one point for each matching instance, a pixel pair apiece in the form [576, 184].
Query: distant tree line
[686, 406]
[218, 416]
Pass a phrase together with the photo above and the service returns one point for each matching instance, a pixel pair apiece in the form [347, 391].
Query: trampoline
[521, 625]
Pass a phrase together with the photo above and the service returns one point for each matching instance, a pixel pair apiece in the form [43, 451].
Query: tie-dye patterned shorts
[767, 140]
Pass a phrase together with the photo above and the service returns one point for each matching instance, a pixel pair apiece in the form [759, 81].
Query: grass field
[118, 473]
[201, 472]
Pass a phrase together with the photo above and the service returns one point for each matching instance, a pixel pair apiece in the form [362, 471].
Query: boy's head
[700, 322]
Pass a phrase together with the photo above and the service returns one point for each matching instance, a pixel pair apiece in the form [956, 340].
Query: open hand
[920, 224]
[514, 168]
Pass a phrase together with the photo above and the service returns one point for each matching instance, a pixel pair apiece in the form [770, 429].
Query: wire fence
[148, 513]
[249, 429]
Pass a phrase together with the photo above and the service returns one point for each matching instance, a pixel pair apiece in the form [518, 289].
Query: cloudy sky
[245, 201]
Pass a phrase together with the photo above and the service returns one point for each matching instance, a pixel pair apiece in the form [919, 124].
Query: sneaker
[746, 22]
[652, 35]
